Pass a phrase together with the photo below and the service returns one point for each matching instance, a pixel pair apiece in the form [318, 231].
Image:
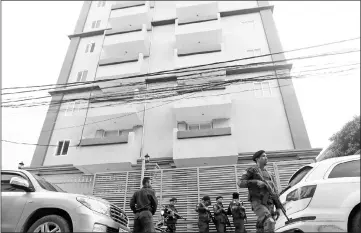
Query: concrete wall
[257, 123]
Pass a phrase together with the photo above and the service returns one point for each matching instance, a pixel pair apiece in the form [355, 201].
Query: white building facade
[170, 79]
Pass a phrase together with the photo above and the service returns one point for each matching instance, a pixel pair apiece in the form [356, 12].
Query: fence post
[93, 185]
[125, 191]
[161, 186]
[277, 175]
[235, 171]
[198, 184]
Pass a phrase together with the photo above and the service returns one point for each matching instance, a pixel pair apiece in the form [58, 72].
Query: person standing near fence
[220, 216]
[144, 205]
[204, 214]
[238, 213]
[259, 196]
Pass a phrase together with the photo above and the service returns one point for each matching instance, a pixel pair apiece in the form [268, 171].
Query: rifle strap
[261, 174]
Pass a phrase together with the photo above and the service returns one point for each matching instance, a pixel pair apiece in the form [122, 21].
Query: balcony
[198, 38]
[202, 109]
[113, 117]
[127, 4]
[129, 19]
[195, 11]
[213, 147]
[122, 48]
[106, 154]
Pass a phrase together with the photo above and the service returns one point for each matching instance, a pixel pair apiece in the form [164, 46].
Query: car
[31, 204]
[323, 197]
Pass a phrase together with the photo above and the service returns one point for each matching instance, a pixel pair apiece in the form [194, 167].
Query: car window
[299, 175]
[347, 169]
[5, 183]
[46, 185]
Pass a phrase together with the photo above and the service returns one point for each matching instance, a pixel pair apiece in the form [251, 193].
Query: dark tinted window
[5, 183]
[347, 169]
[46, 185]
[299, 175]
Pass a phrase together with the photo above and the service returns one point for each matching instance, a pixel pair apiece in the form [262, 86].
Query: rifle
[228, 223]
[166, 209]
[274, 196]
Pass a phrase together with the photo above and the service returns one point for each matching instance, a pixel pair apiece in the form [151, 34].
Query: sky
[35, 44]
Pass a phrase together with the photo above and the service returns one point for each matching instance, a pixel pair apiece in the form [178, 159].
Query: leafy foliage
[346, 141]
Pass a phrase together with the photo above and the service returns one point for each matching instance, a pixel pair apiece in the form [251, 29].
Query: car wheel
[50, 223]
[355, 224]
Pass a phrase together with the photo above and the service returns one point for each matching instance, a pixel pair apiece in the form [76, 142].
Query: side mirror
[20, 183]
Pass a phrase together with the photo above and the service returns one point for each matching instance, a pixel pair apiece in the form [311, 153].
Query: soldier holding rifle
[262, 193]
[204, 214]
[220, 216]
[171, 215]
[238, 213]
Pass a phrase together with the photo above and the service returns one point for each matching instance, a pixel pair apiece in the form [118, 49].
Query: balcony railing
[130, 19]
[127, 4]
[198, 37]
[195, 11]
[125, 47]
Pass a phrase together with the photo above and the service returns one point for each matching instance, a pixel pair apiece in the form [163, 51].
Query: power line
[212, 71]
[106, 97]
[174, 71]
[35, 144]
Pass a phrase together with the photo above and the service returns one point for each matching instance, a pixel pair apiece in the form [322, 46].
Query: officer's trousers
[239, 226]
[265, 222]
[203, 227]
[221, 227]
[171, 227]
[143, 222]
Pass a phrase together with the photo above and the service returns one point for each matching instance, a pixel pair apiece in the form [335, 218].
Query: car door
[13, 201]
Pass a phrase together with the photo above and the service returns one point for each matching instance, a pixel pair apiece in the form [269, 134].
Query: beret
[173, 199]
[206, 198]
[235, 195]
[257, 155]
[219, 197]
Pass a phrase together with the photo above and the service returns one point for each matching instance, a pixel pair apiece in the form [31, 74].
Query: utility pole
[141, 148]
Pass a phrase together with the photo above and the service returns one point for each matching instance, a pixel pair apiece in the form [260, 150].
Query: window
[347, 169]
[72, 107]
[200, 126]
[297, 177]
[110, 133]
[82, 76]
[90, 47]
[62, 148]
[46, 185]
[262, 89]
[253, 54]
[96, 24]
[5, 182]
[101, 3]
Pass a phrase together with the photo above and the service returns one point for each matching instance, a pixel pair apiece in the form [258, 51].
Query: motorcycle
[160, 226]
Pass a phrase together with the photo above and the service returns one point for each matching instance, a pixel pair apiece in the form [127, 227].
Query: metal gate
[188, 185]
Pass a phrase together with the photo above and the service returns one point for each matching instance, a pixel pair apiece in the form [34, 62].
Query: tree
[346, 141]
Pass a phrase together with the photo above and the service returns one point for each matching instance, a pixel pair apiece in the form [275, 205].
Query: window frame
[62, 148]
[82, 79]
[120, 132]
[327, 175]
[96, 24]
[199, 125]
[101, 3]
[90, 47]
[262, 90]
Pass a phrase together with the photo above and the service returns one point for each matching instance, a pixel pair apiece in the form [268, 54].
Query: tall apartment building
[134, 49]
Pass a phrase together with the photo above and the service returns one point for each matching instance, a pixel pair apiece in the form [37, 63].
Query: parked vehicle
[31, 204]
[323, 197]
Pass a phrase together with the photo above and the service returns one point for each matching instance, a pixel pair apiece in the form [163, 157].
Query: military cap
[257, 155]
[206, 198]
[173, 199]
[218, 197]
[235, 195]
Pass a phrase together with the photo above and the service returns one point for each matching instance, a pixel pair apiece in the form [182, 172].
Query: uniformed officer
[238, 213]
[259, 196]
[220, 215]
[144, 205]
[204, 214]
[171, 218]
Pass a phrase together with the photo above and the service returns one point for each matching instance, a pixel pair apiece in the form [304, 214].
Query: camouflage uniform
[220, 218]
[239, 214]
[171, 220]
[262, 203]
[204, 217]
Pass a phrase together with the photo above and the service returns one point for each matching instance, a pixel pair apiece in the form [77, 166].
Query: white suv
[323, 197]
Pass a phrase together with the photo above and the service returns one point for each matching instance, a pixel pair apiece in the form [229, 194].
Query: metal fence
[188, 185]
